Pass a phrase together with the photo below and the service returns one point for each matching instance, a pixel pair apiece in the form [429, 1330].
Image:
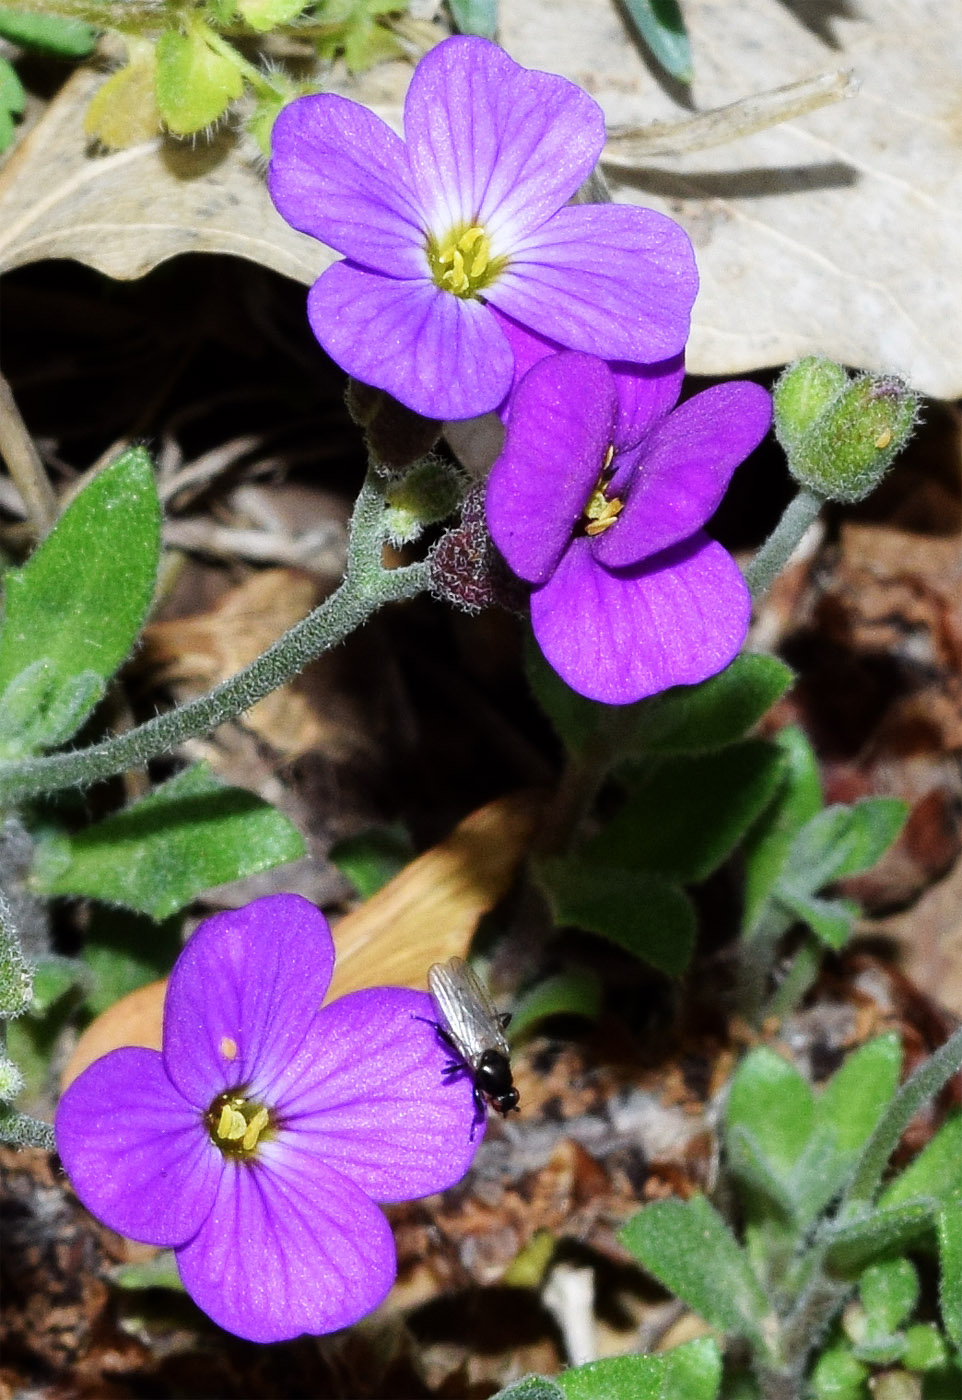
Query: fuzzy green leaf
[829, 919]
[531, 1388]
[648, 916]
[123, 951]
[879, 1232]
[949, 1230]
[12, 102]
[684, 816]
[195, 85]
[662, 27]
[856, 1096]
[66, 38]
[771, 1100]
[186, 836]
[767, 845]
[689, 1248]
[935, 1172]
[889, 1291]
[688, 1372]
[700, 718]
[77, 604]
[843, 841]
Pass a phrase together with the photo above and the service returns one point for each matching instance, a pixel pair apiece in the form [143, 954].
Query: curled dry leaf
[428, 913]
[124, 212]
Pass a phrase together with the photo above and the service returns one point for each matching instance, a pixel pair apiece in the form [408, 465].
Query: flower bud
[467, 570]
[841, 443]
[396, 436]
[428, 493]
[802, 392]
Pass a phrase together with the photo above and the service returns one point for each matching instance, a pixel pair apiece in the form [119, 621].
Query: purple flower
[467, 217]
[598, 499]
[258, 1142]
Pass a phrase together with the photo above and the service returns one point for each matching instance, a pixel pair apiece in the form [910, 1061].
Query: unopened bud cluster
[841, 435]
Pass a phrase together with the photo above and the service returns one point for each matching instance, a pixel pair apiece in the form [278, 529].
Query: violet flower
[258, 1142]
[465, 221]
[598, 499]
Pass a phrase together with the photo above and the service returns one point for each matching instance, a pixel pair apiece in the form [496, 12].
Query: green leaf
[925, 1348]
[843, 841]
[684, 816]
[39, 709]
[854, 1099]
[195, 85]
[838, 1376]
[21, 1130]
[772, 1101]
[12, 102]
[577, 722]
[648, 916]
[757, 1175]
[531, 1388]
[373, 857]
[661, 26]
[949, 1231]
[878, 1232]
[575, 993]
[767, 845]
[889, 1291]
[186, 836]
[475, 17]
[78, 602]
[700, 718]
[263, 15]
[67, 38]
[692, 1252]
[158, 1272]
[936, 1171]
[123, 951]
[829, 919]
[688, 1372]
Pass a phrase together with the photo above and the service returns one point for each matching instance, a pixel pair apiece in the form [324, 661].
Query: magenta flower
[466, 216]
[258, 1142]
[598, 499]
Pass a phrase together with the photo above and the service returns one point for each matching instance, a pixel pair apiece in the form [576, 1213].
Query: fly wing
[466, 1006]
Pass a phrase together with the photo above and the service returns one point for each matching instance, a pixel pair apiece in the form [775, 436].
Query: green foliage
[949, 1227]
[264, 15]
[122, 951]
[575, 993]
[373, 857]
[688, 1372]
[196, 81]
[158, 853]
[16, 978]
[351, 27]
[662, 27]
[645, 914]
[73, 611]
[12, 102]
[53, 34]
[684, 816]
[475, 17]
[691, 1251]
[531, 1388]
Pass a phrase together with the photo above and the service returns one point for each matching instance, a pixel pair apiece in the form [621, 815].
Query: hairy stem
[366, 587]
[784, 539]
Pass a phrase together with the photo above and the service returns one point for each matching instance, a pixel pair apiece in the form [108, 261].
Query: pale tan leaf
[427, 913]
[123, 212]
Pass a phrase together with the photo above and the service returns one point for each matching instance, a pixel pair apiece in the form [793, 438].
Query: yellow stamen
[238, 1125]
[255, 1127]
[232, 1123]
[601, 512]
[461, 262]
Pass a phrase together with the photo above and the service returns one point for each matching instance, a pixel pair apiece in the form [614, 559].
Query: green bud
[11, 1079]
[802, 392]
[925, 1348]
[848, 446]
[396, 437]
[428, 492]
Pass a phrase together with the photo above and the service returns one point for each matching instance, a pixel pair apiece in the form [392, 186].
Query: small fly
[471, 1025]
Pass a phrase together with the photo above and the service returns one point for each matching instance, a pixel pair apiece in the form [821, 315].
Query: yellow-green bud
[802, 392]
[840, 441]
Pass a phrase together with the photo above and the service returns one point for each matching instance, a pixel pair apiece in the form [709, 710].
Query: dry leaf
[426, 914]
[124, 212]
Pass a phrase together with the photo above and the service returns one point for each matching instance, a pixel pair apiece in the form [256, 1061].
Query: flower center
[601, 512]
[461, 262]
[236, 1124]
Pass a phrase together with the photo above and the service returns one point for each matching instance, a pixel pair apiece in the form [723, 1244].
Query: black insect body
[474, 1029]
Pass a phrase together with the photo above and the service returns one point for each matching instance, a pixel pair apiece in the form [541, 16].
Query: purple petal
[646, 393]
[683, 470]
[526, 346]
[611, 279]
[138, 1155]
[560, 425]
[443, 357]
[242, 996]
[617, 637]
[493, 143]
[368, 1096]
[341, 174]
[289, 1247]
